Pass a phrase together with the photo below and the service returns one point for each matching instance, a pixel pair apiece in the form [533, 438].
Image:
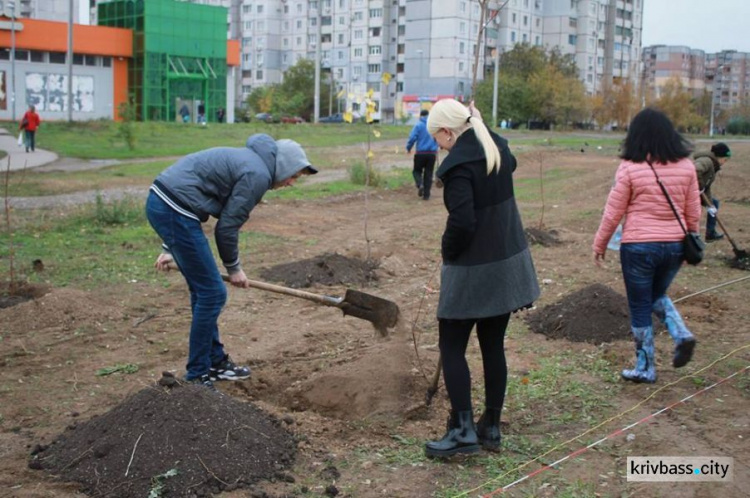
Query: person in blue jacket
[225, 183]
[424, 157]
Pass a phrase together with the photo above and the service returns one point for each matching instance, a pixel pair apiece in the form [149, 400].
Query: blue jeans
[208, 293]
[648, 269]
[711, 220]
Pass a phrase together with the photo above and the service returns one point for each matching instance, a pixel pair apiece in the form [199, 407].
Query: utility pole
[12, 5]
[316, 100]
[719, 69]
[494, 87]
[70, 62]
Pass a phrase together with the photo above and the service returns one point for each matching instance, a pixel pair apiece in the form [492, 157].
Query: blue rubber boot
[684, 341]
[645, 367]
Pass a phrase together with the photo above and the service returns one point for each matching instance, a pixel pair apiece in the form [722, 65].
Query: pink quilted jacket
[637, 195]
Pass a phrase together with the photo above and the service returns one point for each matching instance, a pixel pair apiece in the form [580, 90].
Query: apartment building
[725, 75]
[662, 63]
[428, 46]
[604, 36]
[728, 78]
[54, 10]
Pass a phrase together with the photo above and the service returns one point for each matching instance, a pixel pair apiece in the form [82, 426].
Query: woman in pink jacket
[651, 252]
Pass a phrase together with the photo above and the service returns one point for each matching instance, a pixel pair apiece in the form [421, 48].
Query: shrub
[358, 175]
[117, 212]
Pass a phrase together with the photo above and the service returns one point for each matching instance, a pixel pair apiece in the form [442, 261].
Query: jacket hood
[265, 147]
[290, 159]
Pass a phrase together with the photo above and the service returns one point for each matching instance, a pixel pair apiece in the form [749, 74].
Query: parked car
[333, 118]
[266, 117]
[292, 119]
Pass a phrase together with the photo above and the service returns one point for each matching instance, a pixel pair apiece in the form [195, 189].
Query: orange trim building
[102, 57]
[40, 72]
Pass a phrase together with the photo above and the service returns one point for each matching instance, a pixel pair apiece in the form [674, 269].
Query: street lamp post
[12, 5]
[494, 87]
[713, 101]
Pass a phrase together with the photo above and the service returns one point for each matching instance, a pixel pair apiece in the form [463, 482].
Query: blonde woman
[487, 270]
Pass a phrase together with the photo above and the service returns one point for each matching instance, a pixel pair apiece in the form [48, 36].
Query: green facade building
[179, 56]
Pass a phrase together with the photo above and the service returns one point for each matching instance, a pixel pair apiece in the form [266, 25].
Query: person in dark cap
[424, 157]
[225, 183]
[707, 165]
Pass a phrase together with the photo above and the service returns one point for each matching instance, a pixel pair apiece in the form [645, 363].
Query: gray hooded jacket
[227, 183]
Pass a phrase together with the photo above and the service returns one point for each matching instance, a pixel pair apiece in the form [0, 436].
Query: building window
[462, 48]
[373, 68]
[462, 28]
[260, 9]
[358, 15]
[358, 34]
[356, 72]
[572, 39]
[358, 52]
[374, 13]
[374, 32]
[460, 67]
[107, 61]
[259, 74]
[513, 36]
[36, 56]
[375, 49]
[57, 57]
[341, 38]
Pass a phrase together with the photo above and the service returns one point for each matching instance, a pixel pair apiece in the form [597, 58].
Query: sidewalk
[19, 158]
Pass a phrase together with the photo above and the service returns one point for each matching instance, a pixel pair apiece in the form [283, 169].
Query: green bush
[358, 175]
[739, 126]
[117, 212]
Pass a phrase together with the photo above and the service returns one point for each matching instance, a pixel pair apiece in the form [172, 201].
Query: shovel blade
[381, 312]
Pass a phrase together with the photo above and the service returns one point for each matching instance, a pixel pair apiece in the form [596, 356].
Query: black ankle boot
[460, 438]
[488, 429]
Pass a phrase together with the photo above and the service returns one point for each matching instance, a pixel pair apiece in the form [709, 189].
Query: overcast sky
[708, 25]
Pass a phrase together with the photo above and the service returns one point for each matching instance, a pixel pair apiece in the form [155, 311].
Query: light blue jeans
[648, 269]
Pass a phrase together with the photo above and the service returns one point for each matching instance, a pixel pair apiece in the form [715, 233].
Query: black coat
[487, 266]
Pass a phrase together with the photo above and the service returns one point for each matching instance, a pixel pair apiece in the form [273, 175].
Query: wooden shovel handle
[317, 298]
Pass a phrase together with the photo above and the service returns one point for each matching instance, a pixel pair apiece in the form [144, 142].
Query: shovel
[382, 313]
[738, 253]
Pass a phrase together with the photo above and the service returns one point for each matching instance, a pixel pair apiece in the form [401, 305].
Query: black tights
[454, 337]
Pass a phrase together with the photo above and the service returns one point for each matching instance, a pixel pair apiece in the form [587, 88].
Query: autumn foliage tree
[535, 85]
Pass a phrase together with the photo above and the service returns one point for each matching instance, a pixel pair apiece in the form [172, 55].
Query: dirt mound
[545, 238]
[62, 308]
[594, 314]
[327, 269]
[379, 384]
[183, 441]
[20, 292]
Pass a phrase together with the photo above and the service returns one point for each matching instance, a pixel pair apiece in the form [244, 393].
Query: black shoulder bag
[692, 244]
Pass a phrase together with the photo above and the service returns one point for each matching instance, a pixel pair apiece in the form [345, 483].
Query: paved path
[19, 158]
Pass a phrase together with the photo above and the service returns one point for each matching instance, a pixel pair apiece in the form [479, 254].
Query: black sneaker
[420, 191]
[204, 380]
[227, 370]
[714, 236]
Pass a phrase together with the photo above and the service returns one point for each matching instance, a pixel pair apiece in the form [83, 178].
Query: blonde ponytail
[454, 116]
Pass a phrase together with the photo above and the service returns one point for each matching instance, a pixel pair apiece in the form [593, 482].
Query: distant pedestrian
[202, 113]
[220, 115]
[651, 251]
[707, 166]
[424, 157]
[185, 113]
[29, 124]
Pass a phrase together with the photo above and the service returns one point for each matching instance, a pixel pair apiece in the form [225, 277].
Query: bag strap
[666, 194]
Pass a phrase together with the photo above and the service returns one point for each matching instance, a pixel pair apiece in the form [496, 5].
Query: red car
[292, 119]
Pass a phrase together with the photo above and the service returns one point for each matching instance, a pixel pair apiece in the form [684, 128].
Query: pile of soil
[62, 309]
[182, 440]
[377, 385]
[15, 293]
[545, 238]
[594, 314]
[327, 269]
